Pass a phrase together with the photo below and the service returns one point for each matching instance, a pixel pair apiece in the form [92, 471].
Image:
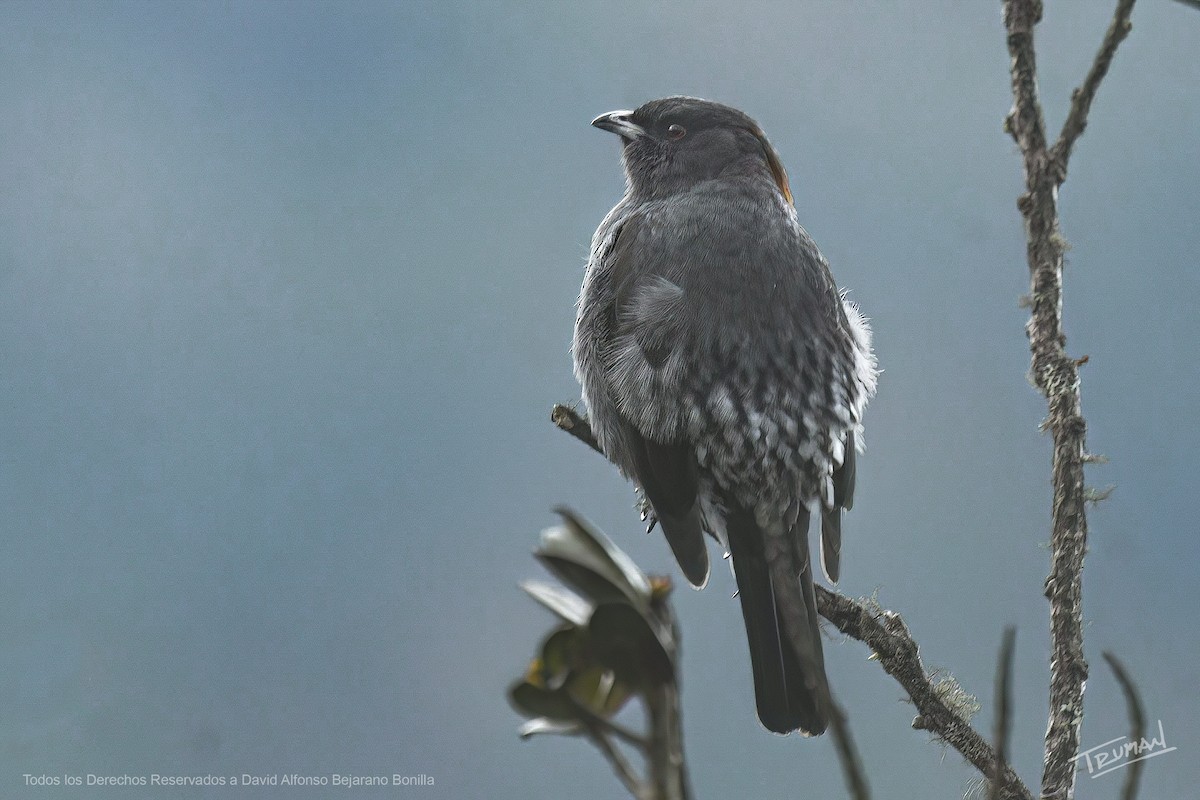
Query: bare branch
[571, 421]
[606, 726]
[1081, 98]
[1003, 709]
[633, 784]
[1137, 719]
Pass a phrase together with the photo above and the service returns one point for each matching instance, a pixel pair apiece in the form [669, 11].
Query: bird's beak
[620, 123]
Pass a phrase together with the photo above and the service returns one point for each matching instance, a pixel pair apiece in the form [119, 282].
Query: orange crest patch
[781, 178]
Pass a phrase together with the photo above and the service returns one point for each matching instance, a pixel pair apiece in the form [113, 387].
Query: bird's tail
[790, 686]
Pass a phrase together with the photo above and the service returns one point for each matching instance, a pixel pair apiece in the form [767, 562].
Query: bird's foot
[646, 512]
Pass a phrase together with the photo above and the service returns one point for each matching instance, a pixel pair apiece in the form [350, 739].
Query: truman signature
[1121, 752]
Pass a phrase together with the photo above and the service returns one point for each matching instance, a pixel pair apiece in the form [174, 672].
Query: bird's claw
[646, 512]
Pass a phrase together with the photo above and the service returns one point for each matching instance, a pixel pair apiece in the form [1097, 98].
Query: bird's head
[669, 145]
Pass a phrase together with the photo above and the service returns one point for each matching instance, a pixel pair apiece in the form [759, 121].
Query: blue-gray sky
[286, 294]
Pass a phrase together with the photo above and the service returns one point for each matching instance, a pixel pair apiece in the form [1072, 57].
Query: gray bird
[725, 373]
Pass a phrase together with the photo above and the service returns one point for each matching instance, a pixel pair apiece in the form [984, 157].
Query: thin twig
[1081, 98]
[852, 768]
[894, 646]
[1137, 720]
[608, 726]
[633, 784]
[1003, 709]
[664, 757]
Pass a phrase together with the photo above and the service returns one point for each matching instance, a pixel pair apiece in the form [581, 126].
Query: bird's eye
[676, 132]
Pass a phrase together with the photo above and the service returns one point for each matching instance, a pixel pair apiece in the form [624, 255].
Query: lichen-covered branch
[1055, 373]
[893, 646]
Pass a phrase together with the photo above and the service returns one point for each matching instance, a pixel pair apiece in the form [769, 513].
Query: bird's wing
[669, 477]
[831, 517]
[860, 383]
[645, 344]
[648, 304]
